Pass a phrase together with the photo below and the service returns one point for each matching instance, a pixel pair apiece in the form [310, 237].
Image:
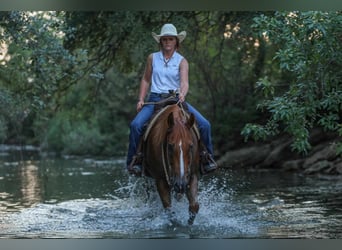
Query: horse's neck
[154, 120]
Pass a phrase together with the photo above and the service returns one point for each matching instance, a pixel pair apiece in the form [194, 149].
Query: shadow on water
[87, 198]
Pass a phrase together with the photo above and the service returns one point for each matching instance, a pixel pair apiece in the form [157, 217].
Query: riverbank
[321, 159]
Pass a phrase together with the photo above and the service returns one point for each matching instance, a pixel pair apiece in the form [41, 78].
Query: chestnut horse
[171, 156]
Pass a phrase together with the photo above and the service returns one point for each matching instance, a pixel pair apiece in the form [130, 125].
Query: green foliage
[13, 111]
[117, 49]
[70, 80]
[258, 132]
[309, 52]
[265, 86]
[82, 138]
[223, 64]
[77, 137]
[35, 47]
[92, 120]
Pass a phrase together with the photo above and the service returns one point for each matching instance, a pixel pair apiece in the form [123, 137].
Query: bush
[309, 52]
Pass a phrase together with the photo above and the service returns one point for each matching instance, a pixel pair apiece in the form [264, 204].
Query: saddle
[159, 110]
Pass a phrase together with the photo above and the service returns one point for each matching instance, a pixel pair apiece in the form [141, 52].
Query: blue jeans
[137, 126]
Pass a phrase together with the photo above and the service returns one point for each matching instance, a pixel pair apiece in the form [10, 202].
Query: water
[87, 198]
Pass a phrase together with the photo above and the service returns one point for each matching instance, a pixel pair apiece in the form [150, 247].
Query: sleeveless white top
[165, 74]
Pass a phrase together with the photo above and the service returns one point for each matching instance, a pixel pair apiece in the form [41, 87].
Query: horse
[171, 156]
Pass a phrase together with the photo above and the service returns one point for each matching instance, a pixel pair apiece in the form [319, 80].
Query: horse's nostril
[184, 187]
[179, 186]
[177, 189]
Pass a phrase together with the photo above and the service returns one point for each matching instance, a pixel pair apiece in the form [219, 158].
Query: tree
[309, 53]
[35, 63]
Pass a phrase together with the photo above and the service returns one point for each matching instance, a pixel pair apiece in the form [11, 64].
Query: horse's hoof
[135, 170]
[191, 219]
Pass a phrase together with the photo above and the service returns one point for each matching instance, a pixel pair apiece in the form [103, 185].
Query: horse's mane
[161, 127]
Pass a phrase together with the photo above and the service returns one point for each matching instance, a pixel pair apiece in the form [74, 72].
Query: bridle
[167, 152]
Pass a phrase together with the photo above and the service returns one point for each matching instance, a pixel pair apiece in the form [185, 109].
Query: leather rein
[165, 148]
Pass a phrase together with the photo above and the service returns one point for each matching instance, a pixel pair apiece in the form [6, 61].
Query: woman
[167, 71]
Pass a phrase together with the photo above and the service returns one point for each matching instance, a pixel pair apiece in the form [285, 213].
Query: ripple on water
[131, 212]
[226, 211]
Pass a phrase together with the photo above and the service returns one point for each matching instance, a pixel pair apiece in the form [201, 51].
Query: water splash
[134, 210]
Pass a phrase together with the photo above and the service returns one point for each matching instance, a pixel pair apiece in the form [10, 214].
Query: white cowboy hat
[169, 30]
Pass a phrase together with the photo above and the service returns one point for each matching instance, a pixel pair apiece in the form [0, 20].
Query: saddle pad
[155, 118]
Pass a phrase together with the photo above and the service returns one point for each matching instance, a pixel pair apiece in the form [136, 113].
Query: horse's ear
[190, 122]
[170, 120]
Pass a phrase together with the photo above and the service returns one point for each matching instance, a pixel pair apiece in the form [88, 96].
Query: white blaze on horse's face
[181, 159]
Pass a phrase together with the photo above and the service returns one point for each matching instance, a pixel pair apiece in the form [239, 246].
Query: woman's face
[168, 42]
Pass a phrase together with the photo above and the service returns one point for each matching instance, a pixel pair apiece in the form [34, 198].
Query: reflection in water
[30, 187]
[21, 184]
[67, 198]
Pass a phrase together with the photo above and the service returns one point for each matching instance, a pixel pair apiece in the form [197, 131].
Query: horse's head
[181, 150]
[171, 155]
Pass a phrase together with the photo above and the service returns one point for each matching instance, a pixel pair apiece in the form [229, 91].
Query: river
[49, 197]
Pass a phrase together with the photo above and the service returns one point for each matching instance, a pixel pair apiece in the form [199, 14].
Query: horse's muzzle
[180, 185]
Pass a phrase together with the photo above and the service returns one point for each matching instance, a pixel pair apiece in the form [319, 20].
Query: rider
[166, 70]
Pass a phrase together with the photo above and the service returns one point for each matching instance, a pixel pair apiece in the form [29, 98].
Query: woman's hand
[181, 97]
[140, 104]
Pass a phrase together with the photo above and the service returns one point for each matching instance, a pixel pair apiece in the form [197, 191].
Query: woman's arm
[184, 79]
[145, 83]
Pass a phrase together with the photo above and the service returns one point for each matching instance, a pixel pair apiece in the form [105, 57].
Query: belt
[165, 95]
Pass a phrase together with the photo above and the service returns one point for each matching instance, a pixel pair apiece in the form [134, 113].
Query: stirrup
[208, 164]
[135, 167]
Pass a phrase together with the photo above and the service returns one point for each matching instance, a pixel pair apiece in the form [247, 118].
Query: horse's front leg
[164, 192]
[192, 194]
